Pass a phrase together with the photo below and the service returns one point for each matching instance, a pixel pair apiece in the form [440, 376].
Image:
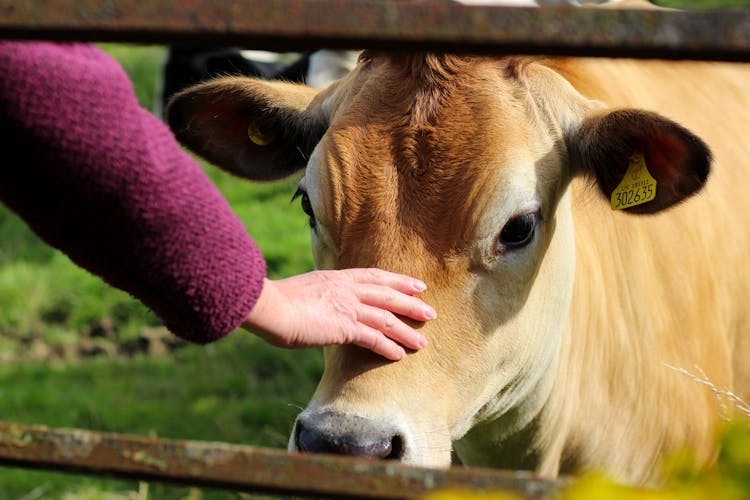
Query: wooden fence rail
[245, 468]
[387, 24]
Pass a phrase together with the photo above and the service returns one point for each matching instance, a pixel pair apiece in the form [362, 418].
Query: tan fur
[555, 357]
[649, 291]
[666, 289]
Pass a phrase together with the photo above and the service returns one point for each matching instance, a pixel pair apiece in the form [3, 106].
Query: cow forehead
[414, 153]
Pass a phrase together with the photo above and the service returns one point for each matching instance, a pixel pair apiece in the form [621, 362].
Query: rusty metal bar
[387, 24]
[244, 468]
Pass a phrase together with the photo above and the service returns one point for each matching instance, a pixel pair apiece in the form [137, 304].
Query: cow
[570, 336]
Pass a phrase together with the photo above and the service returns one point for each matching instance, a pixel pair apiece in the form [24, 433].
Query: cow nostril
[298, 437]
[313, 439]
[397, 448]
[296, 431]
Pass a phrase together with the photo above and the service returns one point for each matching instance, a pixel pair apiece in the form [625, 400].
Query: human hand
[349, 306]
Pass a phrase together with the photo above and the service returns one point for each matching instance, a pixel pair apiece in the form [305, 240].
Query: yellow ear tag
[636, 188]
[258, 137]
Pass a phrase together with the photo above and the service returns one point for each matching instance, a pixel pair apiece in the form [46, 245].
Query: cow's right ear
[642, 161]
[255, 129]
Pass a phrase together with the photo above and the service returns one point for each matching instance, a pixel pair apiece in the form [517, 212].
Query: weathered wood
[387, 24]
[244, 468]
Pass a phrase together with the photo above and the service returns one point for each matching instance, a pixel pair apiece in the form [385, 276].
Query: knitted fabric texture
[100, 178]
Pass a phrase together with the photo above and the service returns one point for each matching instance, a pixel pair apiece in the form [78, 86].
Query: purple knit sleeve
[98, 177]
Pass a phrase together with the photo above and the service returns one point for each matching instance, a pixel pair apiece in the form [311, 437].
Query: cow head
[455, 170]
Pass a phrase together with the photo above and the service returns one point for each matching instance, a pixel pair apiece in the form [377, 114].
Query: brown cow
[560, 320]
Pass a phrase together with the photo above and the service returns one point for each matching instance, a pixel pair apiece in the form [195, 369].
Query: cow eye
[518, 231]
[306, 206]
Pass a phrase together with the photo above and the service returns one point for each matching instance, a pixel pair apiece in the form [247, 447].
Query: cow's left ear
[259, 130]
[636, 155]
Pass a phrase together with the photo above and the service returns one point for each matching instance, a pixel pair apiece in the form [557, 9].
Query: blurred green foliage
[728, 479]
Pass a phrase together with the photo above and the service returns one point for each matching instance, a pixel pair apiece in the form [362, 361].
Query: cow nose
[347, 435]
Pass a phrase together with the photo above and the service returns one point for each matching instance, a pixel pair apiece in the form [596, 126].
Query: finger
[374, 340]
[390, 326]
[398, 303]
[400, 282]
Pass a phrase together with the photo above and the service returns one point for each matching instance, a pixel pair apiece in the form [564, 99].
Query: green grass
[237, 390]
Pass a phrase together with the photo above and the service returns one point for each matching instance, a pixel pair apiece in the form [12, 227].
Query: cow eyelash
[306, 206]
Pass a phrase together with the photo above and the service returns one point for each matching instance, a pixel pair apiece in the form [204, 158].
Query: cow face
[454, 170]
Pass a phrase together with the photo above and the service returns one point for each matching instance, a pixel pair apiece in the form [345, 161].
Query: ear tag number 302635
[636, 188]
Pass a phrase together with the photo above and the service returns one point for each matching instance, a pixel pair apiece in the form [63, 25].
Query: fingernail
[421, 340]
[429, 313]
[419, 286]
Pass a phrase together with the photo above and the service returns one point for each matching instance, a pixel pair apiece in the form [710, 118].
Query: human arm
[101, 179]
[98, 177]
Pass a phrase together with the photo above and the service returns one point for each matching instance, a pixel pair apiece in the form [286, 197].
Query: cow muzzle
[340, 434]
